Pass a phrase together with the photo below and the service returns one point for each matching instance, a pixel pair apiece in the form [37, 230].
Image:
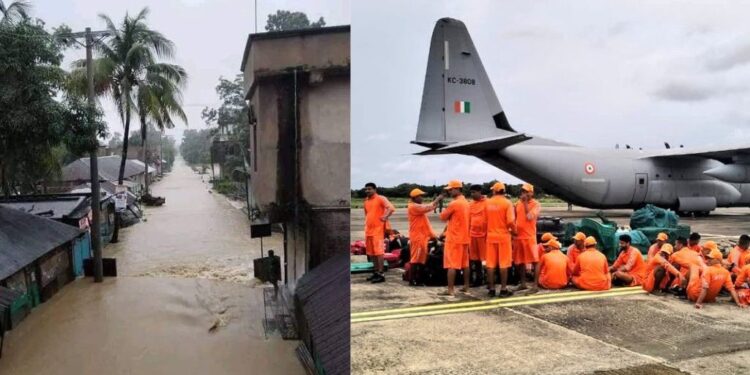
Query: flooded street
[185, 301]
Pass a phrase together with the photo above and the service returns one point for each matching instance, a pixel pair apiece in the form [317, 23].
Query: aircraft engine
[736, 173]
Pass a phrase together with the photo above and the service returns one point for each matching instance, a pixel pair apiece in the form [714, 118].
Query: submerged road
[185, 301]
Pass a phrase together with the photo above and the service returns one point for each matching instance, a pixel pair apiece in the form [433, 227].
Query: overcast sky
[593, 73]
[209, 37]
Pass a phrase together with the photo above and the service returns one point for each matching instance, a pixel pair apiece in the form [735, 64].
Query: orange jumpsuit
[375, 207]
[524, 245]
[631, 262]
[736, 256]
[684, 259]
[420, 231]
[478, 229]
[713, 277]
[499, 217]
[656, 261]
[456, 253]
[652, 250]
[553, 270]
[573, 253]
[591, 271]
[742, 291]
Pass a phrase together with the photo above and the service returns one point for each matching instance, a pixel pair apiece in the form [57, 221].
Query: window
[641, 181]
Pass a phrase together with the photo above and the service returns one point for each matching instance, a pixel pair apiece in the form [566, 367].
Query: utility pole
[96, 242]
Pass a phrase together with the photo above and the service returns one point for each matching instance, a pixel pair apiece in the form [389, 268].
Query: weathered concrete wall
[264, 147]
[330, 234]
[324, 118]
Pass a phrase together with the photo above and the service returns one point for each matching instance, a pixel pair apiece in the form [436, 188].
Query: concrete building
[297, 85]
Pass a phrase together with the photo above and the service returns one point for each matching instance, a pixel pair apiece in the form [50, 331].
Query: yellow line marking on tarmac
[498, 305]
[453, 305]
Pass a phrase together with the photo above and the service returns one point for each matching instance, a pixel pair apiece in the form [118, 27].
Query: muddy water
[185, 301]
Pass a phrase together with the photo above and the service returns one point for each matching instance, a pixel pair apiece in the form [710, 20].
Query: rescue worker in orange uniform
[591, 271]
[741, 285]
[629, 267]
[575, 249]
[705, 284]
[541, 248]
[694, 242]
[377, 211]
[500, 226]
[524, 243]
[661, 239]
[420, 232]
[659, 270]
[477, 232]
[553, 267]
[736, 258]
[683, 259]
[456, 251]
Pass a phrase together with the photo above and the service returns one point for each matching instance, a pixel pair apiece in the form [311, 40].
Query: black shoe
[378, 279]
[372, 277]
[491, 293]
[505, 293]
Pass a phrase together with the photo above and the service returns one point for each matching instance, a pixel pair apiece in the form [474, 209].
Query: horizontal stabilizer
[478, 146]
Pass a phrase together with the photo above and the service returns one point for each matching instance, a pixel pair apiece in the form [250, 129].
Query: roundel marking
[589, 168]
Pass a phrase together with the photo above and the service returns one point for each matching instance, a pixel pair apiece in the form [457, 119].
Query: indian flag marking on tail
[461, 106]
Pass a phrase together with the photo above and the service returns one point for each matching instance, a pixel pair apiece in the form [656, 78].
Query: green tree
[287, 20]
[195, 146]
[37, 115]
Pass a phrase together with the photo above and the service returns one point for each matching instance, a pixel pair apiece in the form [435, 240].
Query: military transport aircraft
[461, 114]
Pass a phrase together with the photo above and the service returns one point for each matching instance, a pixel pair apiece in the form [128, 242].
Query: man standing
[553, 267]
[575, 249]
[420, 232]
[661, 239]
[456, 250]
[477, 232]
[629, 267]
[377, 210]
[524, 245]
[591, 271]
[705, 284]
[500, 226]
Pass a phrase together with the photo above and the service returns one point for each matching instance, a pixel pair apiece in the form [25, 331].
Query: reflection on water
[185, 303]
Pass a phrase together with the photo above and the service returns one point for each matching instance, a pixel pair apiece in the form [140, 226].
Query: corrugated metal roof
[323, 295]
[52, 207]
[26, 237]
[109, 169]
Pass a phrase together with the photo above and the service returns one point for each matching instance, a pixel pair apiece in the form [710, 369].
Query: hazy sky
[592, 73]
[209, 36]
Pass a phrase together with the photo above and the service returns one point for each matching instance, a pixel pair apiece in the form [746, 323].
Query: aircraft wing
[726, 154]
[478, 146]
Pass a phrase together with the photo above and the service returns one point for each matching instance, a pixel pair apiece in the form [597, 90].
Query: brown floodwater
[185, 301]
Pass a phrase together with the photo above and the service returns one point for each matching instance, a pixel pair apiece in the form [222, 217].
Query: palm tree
[159, 98]
[14, 11]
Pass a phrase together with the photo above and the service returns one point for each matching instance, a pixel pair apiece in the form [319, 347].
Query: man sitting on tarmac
[500, 226]
[694, 242]
[661, 239]
[420, 233]
[741, 285]
[683, 259]
[575, 249]
[659, 272]
[705, 284]
[541, 247]
[629, 268]
[553, 267]
[591, 271]
[738, 256]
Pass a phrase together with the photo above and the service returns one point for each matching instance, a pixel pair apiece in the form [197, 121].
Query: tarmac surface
[637, 334]
[185, 301]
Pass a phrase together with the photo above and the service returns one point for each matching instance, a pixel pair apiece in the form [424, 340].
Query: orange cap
[667, 248]
[553, 243]
[580, 236]
[589, 241]
[528, 187]
[454, 184]
[662, 236]
[546, 237]
[416, 193]
[711, 245]
[498, 186]
[716, 254]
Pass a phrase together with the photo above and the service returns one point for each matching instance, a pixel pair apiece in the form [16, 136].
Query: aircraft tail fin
[458, 102]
